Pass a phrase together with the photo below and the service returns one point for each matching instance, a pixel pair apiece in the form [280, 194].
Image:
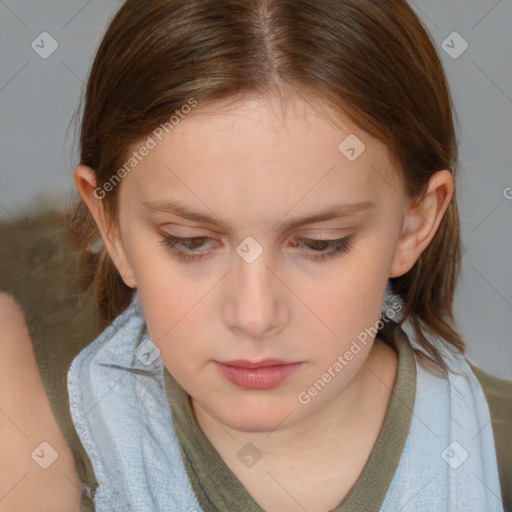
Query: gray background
[38, 97]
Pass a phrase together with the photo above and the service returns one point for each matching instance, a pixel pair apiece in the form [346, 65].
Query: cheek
[172, 317]
[170, 302]
[349, 300]
[175, 336]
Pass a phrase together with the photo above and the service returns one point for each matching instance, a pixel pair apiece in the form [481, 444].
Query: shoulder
[498, 393]
[35, 460]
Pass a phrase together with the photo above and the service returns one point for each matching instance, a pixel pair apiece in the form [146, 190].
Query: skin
[27, 420]
[251, 166]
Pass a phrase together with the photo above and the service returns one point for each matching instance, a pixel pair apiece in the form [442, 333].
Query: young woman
[267, 190]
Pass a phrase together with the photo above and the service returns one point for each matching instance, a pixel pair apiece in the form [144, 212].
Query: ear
[422, 221]
[85, 182]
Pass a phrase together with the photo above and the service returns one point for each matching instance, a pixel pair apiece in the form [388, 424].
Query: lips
[243, 363]
[264, 374]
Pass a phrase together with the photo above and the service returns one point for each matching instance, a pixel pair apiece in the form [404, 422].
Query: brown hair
[372, 60]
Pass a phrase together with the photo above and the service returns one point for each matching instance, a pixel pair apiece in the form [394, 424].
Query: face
[254, 282]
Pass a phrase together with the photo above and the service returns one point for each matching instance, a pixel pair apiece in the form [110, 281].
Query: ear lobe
[422, 221]
[85, 182]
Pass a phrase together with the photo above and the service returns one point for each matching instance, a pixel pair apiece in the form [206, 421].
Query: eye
[335, 247]
[185, 249]
[185, 255]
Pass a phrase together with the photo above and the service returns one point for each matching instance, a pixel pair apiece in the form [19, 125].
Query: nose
[255, 306]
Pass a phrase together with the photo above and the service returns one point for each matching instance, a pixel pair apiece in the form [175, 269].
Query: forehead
[259, 154]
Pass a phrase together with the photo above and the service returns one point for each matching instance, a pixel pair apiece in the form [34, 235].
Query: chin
[257, 419]
[254, 425]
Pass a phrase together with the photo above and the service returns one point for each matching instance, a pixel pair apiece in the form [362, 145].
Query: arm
[26, 421]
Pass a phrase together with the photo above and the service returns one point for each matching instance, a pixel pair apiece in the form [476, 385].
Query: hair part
[372, 60]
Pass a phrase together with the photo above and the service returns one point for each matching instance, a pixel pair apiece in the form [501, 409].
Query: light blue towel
[121, 413]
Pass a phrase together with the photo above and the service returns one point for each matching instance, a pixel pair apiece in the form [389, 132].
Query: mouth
[263, 363]
[264, 374]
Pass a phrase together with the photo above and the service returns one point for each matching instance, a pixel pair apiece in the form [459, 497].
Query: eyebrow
[336, 211]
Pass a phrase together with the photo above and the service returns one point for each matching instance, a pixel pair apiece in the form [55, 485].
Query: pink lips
[264, 374]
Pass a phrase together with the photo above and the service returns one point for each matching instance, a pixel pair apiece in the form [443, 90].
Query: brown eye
[184, 248]
[334, 247]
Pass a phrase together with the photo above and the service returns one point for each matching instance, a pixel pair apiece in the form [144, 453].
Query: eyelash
[339, 247]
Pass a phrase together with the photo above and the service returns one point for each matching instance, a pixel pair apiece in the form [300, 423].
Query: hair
[371, 60]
